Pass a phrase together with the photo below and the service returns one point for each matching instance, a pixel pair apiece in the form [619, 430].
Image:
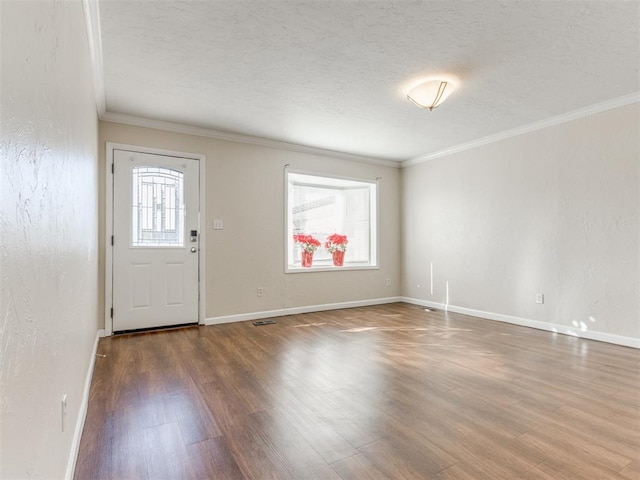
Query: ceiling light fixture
[430, 94]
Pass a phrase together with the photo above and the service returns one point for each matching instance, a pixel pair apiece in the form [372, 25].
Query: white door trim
[202, 227]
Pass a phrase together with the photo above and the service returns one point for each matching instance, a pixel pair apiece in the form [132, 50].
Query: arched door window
[157, 217]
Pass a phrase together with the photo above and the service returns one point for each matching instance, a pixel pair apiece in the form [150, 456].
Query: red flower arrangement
[336, 243]
[308, 243]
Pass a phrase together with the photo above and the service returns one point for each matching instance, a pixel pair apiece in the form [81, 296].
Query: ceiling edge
[532, 127]
[94, 38]
[239, 138]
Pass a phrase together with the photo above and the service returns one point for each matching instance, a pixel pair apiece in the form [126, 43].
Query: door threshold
[155, 329]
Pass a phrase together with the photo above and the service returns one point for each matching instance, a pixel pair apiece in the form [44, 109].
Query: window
[157, 215]
[331, 223]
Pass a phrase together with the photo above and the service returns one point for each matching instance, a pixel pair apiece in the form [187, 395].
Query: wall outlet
[218, 224]
[260, 291]
[388, 282]
[539, 297]
[63, 410]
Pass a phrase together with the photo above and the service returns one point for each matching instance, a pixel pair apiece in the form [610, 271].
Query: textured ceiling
[334, 74]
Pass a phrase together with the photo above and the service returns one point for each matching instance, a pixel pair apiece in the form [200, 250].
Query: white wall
[48, 231]
[554, 211]
[245, 188]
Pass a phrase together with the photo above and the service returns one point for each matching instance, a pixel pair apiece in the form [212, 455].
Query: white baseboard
[296, 310]
[525, 322]
[82, 414]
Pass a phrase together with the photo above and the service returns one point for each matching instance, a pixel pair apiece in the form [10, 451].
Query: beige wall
[48, 229]
[554, 211]
[245, 188]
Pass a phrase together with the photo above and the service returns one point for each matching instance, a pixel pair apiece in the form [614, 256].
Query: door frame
[108, 269]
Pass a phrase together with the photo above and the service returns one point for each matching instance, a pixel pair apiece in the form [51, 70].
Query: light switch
[217, 224]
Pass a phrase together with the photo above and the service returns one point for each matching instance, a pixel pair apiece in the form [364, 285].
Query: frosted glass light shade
[430, 94]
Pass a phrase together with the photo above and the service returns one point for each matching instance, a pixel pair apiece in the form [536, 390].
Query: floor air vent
[259, 323]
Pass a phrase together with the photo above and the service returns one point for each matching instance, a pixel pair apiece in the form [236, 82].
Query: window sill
[329, 268]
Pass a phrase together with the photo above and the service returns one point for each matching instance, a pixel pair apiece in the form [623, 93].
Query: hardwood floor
[385, 392]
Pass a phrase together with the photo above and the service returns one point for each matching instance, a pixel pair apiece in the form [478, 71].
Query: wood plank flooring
[385, 392]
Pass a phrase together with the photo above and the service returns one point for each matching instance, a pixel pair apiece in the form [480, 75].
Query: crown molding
[240, 138]
[92, 23]
[532, 127]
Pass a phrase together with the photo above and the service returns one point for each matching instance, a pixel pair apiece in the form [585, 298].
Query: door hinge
[111, 312]
[113, 170]
[112, 240]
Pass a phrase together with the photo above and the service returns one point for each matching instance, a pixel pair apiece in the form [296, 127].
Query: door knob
[194, 249]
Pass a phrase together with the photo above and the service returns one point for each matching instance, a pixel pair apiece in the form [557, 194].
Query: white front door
[155, 240]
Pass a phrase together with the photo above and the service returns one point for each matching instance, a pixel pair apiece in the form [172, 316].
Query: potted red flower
[309, 245]
[337, 245]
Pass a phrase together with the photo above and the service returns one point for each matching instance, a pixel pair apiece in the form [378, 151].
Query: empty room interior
[329, 239]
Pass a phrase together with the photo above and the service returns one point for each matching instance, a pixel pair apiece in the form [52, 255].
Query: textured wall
[554, 211]
[245, 188]
[48, 231]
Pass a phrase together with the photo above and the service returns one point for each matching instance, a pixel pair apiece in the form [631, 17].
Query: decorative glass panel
[157, 216]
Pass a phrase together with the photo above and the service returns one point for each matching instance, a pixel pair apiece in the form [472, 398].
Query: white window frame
[374, 259]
